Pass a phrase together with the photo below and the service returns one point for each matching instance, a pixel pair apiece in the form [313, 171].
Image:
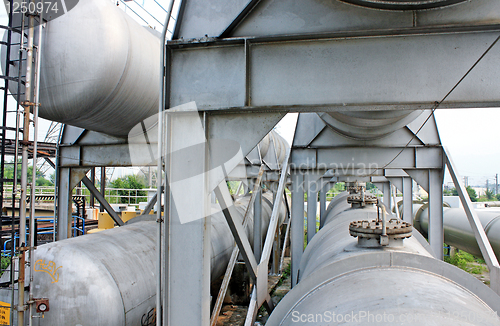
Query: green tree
[40, 178]
[129, 182]
[497, 197]
[489, 194]
[370, 186]
[470, 191]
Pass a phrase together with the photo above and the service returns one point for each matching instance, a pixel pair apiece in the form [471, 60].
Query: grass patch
[4, 263]
[467, 262]
[286, 274]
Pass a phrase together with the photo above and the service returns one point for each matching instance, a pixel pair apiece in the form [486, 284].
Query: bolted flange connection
[358, 197]
[371, 233]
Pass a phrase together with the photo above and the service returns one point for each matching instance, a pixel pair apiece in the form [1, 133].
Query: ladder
[19, 116]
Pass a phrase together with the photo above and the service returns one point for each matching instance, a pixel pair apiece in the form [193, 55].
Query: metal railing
[113, 195]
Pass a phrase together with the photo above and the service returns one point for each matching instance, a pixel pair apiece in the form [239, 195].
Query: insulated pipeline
[108, 278]
[457, 230]
[343, 282]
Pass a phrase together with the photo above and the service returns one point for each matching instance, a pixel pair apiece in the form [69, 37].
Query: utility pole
[496, 184]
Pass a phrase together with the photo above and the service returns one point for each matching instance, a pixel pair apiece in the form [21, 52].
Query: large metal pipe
[344, 282]
[99, 69]
[366, 125]
[457, 230]
[108, 278]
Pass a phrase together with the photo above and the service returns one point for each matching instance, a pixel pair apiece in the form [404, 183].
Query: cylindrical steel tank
[342, 282]
[108, 278]
[280, 145]
[366, 125]
[99, 69]
[404, 4]
[457, 230]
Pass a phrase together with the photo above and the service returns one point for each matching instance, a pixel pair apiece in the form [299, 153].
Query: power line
[437, 104]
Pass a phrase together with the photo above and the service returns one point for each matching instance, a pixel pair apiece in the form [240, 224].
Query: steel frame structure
[244, 65]
[246, 69]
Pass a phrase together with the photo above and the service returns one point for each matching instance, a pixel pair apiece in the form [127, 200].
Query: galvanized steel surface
[108, 278]
[368, 125]
[404, 4]
[341, 282]
[457, 230]
[223, 241]
[99, 69]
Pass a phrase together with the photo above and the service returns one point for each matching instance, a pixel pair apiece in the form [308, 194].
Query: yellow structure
[104, 222]
[128, 215]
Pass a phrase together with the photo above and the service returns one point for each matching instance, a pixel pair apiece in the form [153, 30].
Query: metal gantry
[236, 76]
[249, 66]
[22, 80]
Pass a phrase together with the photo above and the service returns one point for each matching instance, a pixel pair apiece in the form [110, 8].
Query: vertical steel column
[64, 206]
[476, 226]
[33, 181]
[387, 195]
[297, 223]
[103, 186]
[189, 251]
[257, 225]
[312, 205]
[407, 199]
[24, 169]
[322, 204]
[92, 178]
[275, 266]
[436, 233]
[394, 193]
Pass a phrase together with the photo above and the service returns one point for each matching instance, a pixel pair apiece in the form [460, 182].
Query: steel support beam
[297, 223]
[478, 229]
[188, 227]
[386, 190]
[151, 204]
[262, 272]
[241, 16]
[436, 232]
[64, 204]
[322, 204]
[315, 60]
[408, 200]
[312, 204]
[237, 229]
[236, 251]
[359, 161]
[257, 224]
[103, 186]
[102, 200]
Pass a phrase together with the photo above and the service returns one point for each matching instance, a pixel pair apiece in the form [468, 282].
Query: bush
[129, 182]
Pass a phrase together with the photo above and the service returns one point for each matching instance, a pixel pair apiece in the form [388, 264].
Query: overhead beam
[355, 160]
[329, 69]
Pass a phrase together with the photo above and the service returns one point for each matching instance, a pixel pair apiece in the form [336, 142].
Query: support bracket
[475, 223]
